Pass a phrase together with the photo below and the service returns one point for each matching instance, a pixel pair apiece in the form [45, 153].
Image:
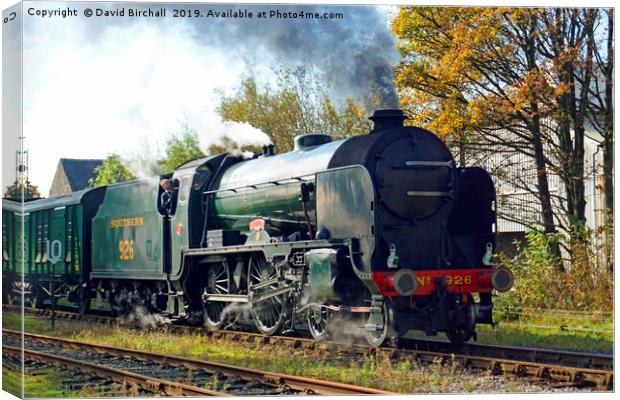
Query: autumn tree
[567, 42]
[505, 79]
[299, 105]
[112, 170]
[181, 149]
[18, 191]
[433, 88]
[482, 74]
[601, 105]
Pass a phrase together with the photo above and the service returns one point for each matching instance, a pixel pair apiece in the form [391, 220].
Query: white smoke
[95, 86]
[143, 164]
[87, 97]
[142, 168]
[140, 316]
[212, 129]
[234, 312]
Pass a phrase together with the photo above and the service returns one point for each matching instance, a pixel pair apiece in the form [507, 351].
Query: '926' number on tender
[126, 251]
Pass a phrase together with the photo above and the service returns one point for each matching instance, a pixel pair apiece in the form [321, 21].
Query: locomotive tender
[381, 230]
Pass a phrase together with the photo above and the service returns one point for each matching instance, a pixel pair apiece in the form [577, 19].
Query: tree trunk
[539, 155]
[462, 148]
[608, 150]
[608, 172]
[543, 188]
[580, 111]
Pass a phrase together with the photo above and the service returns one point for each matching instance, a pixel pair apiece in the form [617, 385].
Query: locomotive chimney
[387, 119]
[268, 150]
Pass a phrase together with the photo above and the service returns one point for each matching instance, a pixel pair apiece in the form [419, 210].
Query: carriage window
[184, 188]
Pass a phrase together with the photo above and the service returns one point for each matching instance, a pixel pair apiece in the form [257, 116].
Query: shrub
[539, 283]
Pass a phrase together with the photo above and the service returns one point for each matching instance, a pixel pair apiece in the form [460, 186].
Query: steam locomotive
[379, 232]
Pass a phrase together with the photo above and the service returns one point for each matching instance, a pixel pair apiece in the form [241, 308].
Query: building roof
[79, 171]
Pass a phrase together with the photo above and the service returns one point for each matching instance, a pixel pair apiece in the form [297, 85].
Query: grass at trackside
[13, 322]
[11, 381]
[582, 333]
[372, 371]
[46, 385]
[549, 329]
[552, 338]
[36, 386]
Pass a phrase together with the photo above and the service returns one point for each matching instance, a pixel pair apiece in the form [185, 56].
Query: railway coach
[11, 211]
[46, 247]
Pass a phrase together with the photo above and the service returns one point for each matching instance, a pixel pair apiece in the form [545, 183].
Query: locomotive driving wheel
[218, 281]
[268, 314]
[378, 337]
[318, 318]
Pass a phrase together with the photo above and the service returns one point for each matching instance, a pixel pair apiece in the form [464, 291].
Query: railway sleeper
[154, 386]
[602, 381]
[533, 370]
[563, 374]
[482, 365]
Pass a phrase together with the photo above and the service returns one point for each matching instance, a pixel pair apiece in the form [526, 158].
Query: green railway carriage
[53, 252]
[11, 225]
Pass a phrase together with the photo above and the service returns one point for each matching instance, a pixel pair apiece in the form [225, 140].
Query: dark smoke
[356, 52]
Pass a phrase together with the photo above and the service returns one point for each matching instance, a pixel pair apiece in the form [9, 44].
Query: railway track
[167, 375]
[554, 374]
[554, 367]
[69, 382]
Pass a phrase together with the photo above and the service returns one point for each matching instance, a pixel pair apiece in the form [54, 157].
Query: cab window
[184, 188]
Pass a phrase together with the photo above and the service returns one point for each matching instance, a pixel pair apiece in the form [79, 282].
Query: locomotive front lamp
[502, 279]
[405, 282]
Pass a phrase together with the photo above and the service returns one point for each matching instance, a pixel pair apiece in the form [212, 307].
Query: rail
[556, 367]
[272, 383]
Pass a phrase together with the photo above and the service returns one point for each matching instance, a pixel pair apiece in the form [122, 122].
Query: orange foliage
[464, 68]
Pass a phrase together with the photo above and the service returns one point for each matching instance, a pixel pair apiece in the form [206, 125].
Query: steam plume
[357, 52]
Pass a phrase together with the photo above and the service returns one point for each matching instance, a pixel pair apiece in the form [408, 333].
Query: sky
[11, 103]
[100, 85]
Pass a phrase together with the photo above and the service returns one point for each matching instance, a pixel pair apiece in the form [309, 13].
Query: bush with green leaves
[583, 284]
[111, 170]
